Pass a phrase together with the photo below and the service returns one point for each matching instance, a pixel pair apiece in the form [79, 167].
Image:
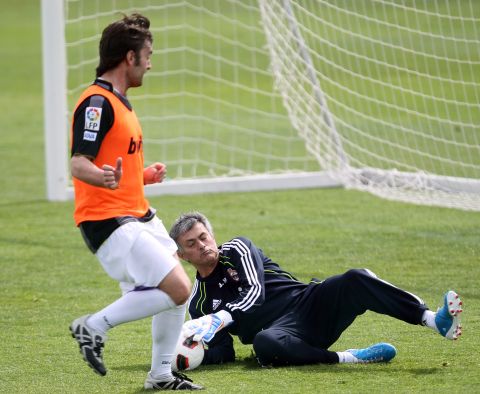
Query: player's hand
[205, 327]
[154, 173]
[112, 175]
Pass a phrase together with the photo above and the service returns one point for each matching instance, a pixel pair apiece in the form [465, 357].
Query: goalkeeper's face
[198, 247]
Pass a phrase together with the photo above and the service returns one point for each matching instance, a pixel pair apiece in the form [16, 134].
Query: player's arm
[84, 169]
[154, 173]
[247, 265]
[206, 327]
[91, 122]
[220, 349]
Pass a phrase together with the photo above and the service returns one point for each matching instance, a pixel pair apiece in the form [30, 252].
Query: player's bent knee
[267, 349]
[181, 297]
[177, 285]
[355, 274]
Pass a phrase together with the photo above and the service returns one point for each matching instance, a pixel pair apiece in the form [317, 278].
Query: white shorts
[138, 254]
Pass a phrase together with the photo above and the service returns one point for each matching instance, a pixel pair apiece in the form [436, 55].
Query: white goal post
[375, 95]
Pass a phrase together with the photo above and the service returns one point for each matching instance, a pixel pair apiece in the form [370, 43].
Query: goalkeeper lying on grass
[240, 291]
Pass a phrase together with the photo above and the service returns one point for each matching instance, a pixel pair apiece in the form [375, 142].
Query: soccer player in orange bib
[113, 215]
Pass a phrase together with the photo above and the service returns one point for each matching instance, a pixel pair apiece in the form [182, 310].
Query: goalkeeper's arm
[220, 349]
[204, 328]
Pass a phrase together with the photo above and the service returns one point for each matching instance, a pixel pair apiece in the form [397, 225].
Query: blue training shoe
[447, 318]
[378, 353]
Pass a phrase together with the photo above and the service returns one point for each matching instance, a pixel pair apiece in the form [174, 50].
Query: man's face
[142, 63]
[198, 247]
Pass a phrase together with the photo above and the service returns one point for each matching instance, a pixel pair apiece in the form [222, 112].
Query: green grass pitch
[48, 277]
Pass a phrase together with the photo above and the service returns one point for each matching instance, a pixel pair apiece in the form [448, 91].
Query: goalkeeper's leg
[340, 299]
[276, 346]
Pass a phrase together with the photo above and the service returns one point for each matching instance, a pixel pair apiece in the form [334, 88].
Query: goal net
[376, 95]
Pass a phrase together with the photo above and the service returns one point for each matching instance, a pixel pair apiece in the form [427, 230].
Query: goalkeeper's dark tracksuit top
[289, 322]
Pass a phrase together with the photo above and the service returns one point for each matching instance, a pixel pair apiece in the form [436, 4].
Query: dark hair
[185, 223]
[129, 33]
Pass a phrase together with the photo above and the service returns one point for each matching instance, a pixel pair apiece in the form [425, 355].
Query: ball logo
[93, 116]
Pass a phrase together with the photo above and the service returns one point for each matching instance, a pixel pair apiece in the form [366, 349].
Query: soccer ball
[188, 354]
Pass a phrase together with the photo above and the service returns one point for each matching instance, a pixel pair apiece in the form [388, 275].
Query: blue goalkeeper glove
[205, 327]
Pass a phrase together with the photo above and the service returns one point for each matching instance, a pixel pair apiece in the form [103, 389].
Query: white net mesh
[382, 94]
[207, 107]
[402, 83]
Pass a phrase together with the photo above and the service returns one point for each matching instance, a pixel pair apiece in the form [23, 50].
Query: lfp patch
[92, 118]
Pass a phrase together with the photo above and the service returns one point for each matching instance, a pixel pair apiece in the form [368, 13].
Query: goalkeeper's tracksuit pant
[325, 311]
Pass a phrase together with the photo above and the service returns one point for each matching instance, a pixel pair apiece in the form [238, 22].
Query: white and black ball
[188, 354]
